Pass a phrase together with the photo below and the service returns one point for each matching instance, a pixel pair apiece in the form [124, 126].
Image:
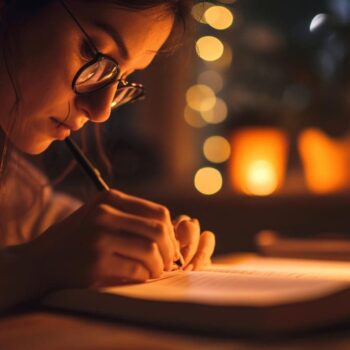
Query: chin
[34, 148]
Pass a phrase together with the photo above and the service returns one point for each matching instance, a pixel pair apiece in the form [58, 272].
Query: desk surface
[41, 330]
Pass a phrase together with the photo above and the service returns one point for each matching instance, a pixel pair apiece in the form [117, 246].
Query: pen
[87, 166]
[96, 177]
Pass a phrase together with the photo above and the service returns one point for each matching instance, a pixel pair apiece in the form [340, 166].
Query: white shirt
[28, 204]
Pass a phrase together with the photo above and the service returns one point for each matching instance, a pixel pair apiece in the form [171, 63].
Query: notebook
[253, 295]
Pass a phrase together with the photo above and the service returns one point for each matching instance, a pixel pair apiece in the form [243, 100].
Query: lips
[65, 125]
[60, 130]
[59, 123]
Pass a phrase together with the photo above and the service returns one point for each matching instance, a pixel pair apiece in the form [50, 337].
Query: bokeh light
[209, 48]
[199, 9]
[318, 21]
[218, 17]
[208, 181]
[194, 118]
[217, 149]
[258, 160]
[217, 114]
[319, 152]
[224, 61]
[262, 178]
[200, 97]
[211, 78]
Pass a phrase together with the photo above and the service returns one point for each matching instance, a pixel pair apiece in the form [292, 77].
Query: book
[252, 295]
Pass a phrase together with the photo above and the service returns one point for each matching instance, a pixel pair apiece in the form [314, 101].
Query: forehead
[142, 32]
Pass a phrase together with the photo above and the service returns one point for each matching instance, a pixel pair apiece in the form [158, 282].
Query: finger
[114, 269]
[178, 219]
[188, 233]
[141, 207]
[205, 250]
[136, 205]
[113, 220]
[136, 248]
[176, 223]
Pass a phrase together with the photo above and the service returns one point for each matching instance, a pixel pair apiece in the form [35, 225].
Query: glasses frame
[99, 56]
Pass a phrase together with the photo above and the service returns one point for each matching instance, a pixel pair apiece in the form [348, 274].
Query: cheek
[46, 89]
[44, 92]
[46, 77]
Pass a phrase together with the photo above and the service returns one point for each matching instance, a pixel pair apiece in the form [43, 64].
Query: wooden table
[43, 330]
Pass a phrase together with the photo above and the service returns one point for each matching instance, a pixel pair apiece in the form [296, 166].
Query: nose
[97, 105]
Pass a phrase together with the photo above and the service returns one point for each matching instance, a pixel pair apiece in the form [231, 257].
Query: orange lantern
[325, 160]
[258, 160]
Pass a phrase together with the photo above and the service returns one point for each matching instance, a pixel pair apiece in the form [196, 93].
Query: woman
[63, 64]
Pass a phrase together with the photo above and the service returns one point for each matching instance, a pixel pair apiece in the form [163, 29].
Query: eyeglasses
[101, 72]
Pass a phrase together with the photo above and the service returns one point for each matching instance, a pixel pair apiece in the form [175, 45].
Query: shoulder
[28, 204]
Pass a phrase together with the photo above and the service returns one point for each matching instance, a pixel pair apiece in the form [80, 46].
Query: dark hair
[15, 9]
[180, 8]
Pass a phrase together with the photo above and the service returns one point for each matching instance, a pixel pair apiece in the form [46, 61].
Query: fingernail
[189, 267]
[169, 267]
[175, 268]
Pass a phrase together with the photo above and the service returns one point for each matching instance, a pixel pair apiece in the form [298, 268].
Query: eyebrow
[111, 31]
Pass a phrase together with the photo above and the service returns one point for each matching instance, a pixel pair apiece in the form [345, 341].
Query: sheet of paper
[293, 268]
[255, 281]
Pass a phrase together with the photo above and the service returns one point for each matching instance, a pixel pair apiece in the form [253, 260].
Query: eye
[86, 51]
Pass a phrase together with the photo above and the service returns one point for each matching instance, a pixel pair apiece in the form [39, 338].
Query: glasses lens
[127, 94]
[96, 75]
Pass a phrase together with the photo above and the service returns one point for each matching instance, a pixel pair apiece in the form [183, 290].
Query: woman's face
[51, 50]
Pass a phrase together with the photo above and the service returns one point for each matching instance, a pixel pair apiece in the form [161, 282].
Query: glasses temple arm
[78, 24]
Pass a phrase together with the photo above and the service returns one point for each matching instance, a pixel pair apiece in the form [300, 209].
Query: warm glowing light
[200, 97]
[216, 149]
[208, 181]
[318, 21]
[113, 104]
[217, 114]
[258, 160]
[326, 161]
[209, 48]
[225, 60]
[218, 17]
[212, 79]
[262, 179]
[193, 118]
[199, 9]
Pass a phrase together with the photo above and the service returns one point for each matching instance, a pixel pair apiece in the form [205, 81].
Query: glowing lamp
[258, 160]
[325, 160]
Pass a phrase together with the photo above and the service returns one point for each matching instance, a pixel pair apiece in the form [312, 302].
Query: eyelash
[86, 51]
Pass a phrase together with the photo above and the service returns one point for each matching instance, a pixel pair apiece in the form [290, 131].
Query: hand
[196, 247]
[115, 237]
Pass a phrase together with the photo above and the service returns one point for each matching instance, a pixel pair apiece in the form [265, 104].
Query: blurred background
[245, 127]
